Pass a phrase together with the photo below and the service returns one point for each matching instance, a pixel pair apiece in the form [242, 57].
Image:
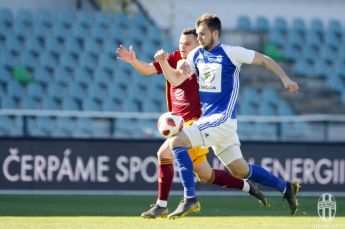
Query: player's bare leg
[207, 175]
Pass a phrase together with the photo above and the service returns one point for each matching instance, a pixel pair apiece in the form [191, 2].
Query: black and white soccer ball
[169, 124]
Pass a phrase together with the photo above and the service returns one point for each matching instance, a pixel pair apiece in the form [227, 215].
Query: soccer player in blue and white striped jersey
[217, 67]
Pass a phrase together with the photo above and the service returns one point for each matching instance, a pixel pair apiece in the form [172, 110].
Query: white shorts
[222, 138]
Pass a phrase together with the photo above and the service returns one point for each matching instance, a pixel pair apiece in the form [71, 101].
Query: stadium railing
[316, 127]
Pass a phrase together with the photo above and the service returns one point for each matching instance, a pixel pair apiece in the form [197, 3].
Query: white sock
[162, 203]
[284, 190]
[246, 186]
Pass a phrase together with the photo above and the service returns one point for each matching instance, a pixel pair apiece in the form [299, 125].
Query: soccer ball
[169, 124]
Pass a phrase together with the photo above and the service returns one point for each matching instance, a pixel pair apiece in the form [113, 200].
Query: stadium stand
[70, 57]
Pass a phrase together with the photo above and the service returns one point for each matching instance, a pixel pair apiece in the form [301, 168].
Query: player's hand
[161, 55]
[126, 55]
[292, 86]
[184, 67]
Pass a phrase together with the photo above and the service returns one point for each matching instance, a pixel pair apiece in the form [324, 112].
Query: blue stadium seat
[62, 76]
[92, 47]
[45, 18]
[80, 33]
[335, 83]
[102, 20]
[277, 38]
[29, 103]
[21, 31]
[84, 127]
[56, 91]
[13, 127]
[97, 92]
[125, 128]
[53, 46]
[317, 27]
[245, 108]
[28, 60]
[6, 17]
[7, 59]
[36, 91]
[84, 18]
[291, 52]
[48, 61]
[33, 45]
[284, 108]
[67, 61]
[130, 106]
[148, 128]
[65, 126]
[334, 27]
[280, 24]
[41, 76]
[60, 31]
[49, 103]
[309, 53]
[296, 38]
[3, 33]
[70, 104]
[102, 77]
[16, 90]
[72, 46]
[99, 34]
[87, 62]
[298, 24]
[8, 102]
[13, 45]
[303, 68]
[90, 104]
[83, 76]
[120, 20]
[40, 31]
[24, 17]
[110, 105]
[322, 69]
[328, 55]
[332, 40]
[262, 24]
[76, 91]
[313, 39]
[65, 18]
[243, 23]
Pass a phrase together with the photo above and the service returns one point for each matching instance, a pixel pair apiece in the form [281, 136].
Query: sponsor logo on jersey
[208, 75]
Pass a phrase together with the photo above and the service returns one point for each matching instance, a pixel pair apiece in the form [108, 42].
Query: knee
[239, 174]
[164, 152]
[202, 178]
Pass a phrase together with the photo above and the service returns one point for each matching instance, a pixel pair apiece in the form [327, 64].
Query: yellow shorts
[197, 154]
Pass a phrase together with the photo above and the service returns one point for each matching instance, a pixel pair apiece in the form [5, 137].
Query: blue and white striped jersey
[218, 72]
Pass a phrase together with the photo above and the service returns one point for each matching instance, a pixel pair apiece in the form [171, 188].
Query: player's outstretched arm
[174, 76]
[273, 66]
[129, 56]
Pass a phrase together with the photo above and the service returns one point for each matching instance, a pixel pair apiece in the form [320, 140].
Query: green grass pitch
[237, 212]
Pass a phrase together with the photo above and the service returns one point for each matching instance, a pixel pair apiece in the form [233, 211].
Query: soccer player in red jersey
[183, 100]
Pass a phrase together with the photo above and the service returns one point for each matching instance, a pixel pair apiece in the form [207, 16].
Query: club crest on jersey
[208, 75]
[179, 94]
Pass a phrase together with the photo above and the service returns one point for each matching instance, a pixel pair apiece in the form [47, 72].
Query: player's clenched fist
[292, 86]
[161, 55]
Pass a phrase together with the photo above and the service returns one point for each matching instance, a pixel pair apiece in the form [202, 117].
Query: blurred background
[60, 84]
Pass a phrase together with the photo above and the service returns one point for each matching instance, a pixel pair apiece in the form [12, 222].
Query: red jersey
[184, 99]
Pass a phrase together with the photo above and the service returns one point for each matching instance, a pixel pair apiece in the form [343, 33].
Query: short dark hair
[211, 20]
[189, 31]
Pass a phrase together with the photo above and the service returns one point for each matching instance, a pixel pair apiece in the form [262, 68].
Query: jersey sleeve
[157, 67]
[172, 60]
[239, 55]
